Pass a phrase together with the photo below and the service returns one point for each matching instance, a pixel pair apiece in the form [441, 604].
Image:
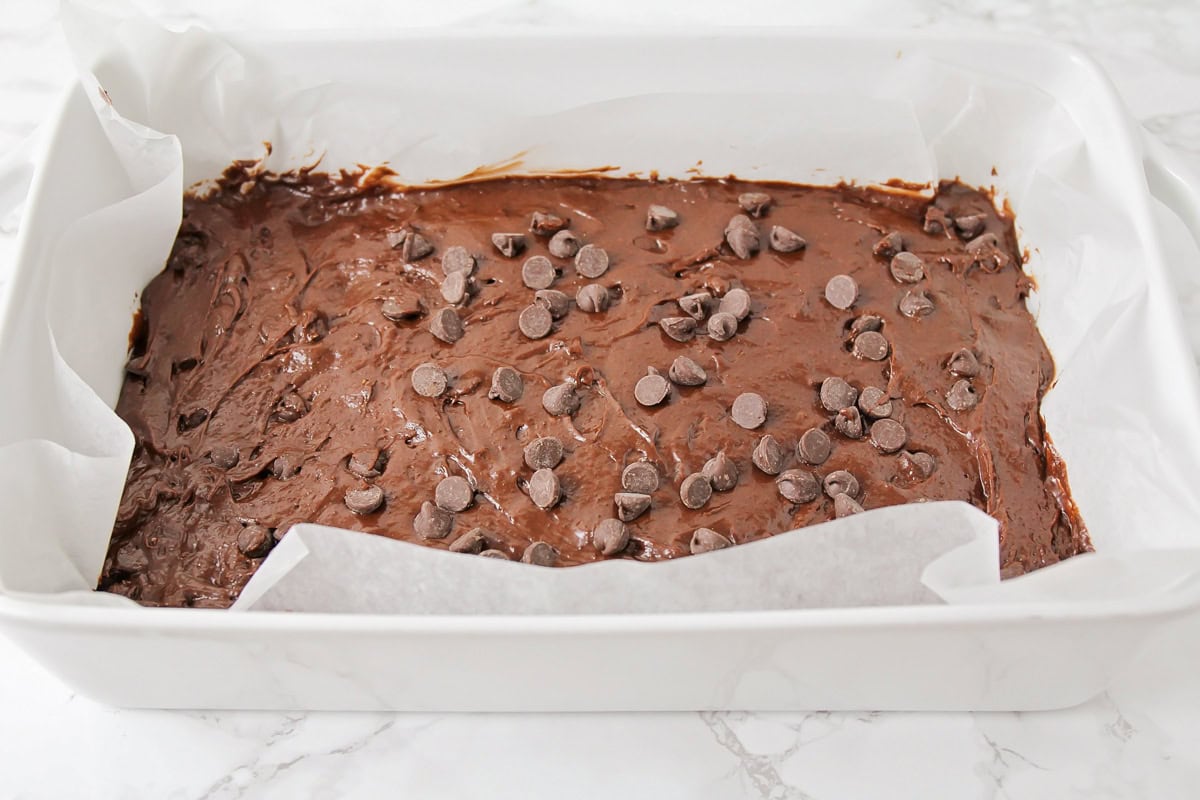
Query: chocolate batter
[330, 350]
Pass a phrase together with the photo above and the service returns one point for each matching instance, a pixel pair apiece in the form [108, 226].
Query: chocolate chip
[916, 304]
[889, 245]
[364, 501]
[841, 482]
[538, 273]
[535, 321]
[686, 372]
[915, 465]
[495, 554]
[865, 322]
[454, 493]
[888, 435]
[543, 453]
[836, 394]
[399, 310]
[970, 225]
[742, 236]
[510, 245]
[870, 345]
[610, 537]
[543, 224]
[456, 288]
[844, 506]
[705, 540]
[681, 329]
[769, 455]
[963, 363]
[749, 410]
[935, 220]
[841, 291]
[798, 486]
[507, 385]
[366, 463]
[874, 402]
[651, 390]
[721, 472]
[415, 247]
[696, 305]
[754, 203]
[848, 422]
[396, 238]
[962, 396]
[592, 298]
[659, 218]
[290, 408]
[540, 554]
[907, 268]
[722, 326]
[556, 302]
[736, 302]
[641, 477]
[446, 326]
[563, 244]
[544, 488]
[457, 259]
[285, 466]
[695, 490]
[255, 541]
[560, 400]
[224, 457]
[432, 522]
[631, 505]
[429, 380]
[981, 244]
[591, 261]
[473, 541]
[814, 447]
[783, 240]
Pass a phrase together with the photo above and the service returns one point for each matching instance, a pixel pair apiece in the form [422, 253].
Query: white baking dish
[1028, 656]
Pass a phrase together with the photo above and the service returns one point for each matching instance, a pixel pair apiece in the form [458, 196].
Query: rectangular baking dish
[1032, 656]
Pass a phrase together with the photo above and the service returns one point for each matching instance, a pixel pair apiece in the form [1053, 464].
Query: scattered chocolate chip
[456, 288]
[495, 554]
[364, 501]
[686, 372]
[889, 245]
[722, 326]
[749, 410]
[916, 304]
[255, 541]
[935, 220]
[400, 309]
[754, 203]
[454, 493]
[285, 466]
[563, 244]
[538, 273]
[696, 305]
[841, 482]
[415, 247]
[610, 537]
[432, 522]
[742, 236]
[814, 447]
[721, 472]
[290, 408]
[641, 477]
[888, 435]
[863, 323]
[874, 402]
[507, 385]
[366, 463]
[798, 486]
[916, 465]
[651, 390]
[473, 541]
[556, 302]
[970, 225]
[535, 321]
[848, 422]
[769, 455]
[659, 218]
[695, 490]
[963, 363]
[544, 488]
[560, 400]
[510, 245]
[907, 268]
[962, 396]
[591, 261]
[457, 259]
[870, 345]
[429, 380]
[841, 291]
[981, 244]
[631, 505]
[705, 540]
[736, 302]
[844, 506]
[836, 394]
[592, 298]
[783, 240]
[224, 457]
[446, 326]
[543, 224]
[540, 554]
[681, 329]
[543, 453]
[396, 238]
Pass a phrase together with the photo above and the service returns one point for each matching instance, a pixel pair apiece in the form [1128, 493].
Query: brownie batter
[565, 370]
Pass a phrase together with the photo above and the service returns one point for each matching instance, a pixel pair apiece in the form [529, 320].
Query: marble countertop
[1139, 740]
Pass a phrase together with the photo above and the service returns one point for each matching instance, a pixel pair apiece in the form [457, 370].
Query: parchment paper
[173, 109]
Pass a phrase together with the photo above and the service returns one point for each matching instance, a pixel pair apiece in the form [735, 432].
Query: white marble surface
[1140, 740]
